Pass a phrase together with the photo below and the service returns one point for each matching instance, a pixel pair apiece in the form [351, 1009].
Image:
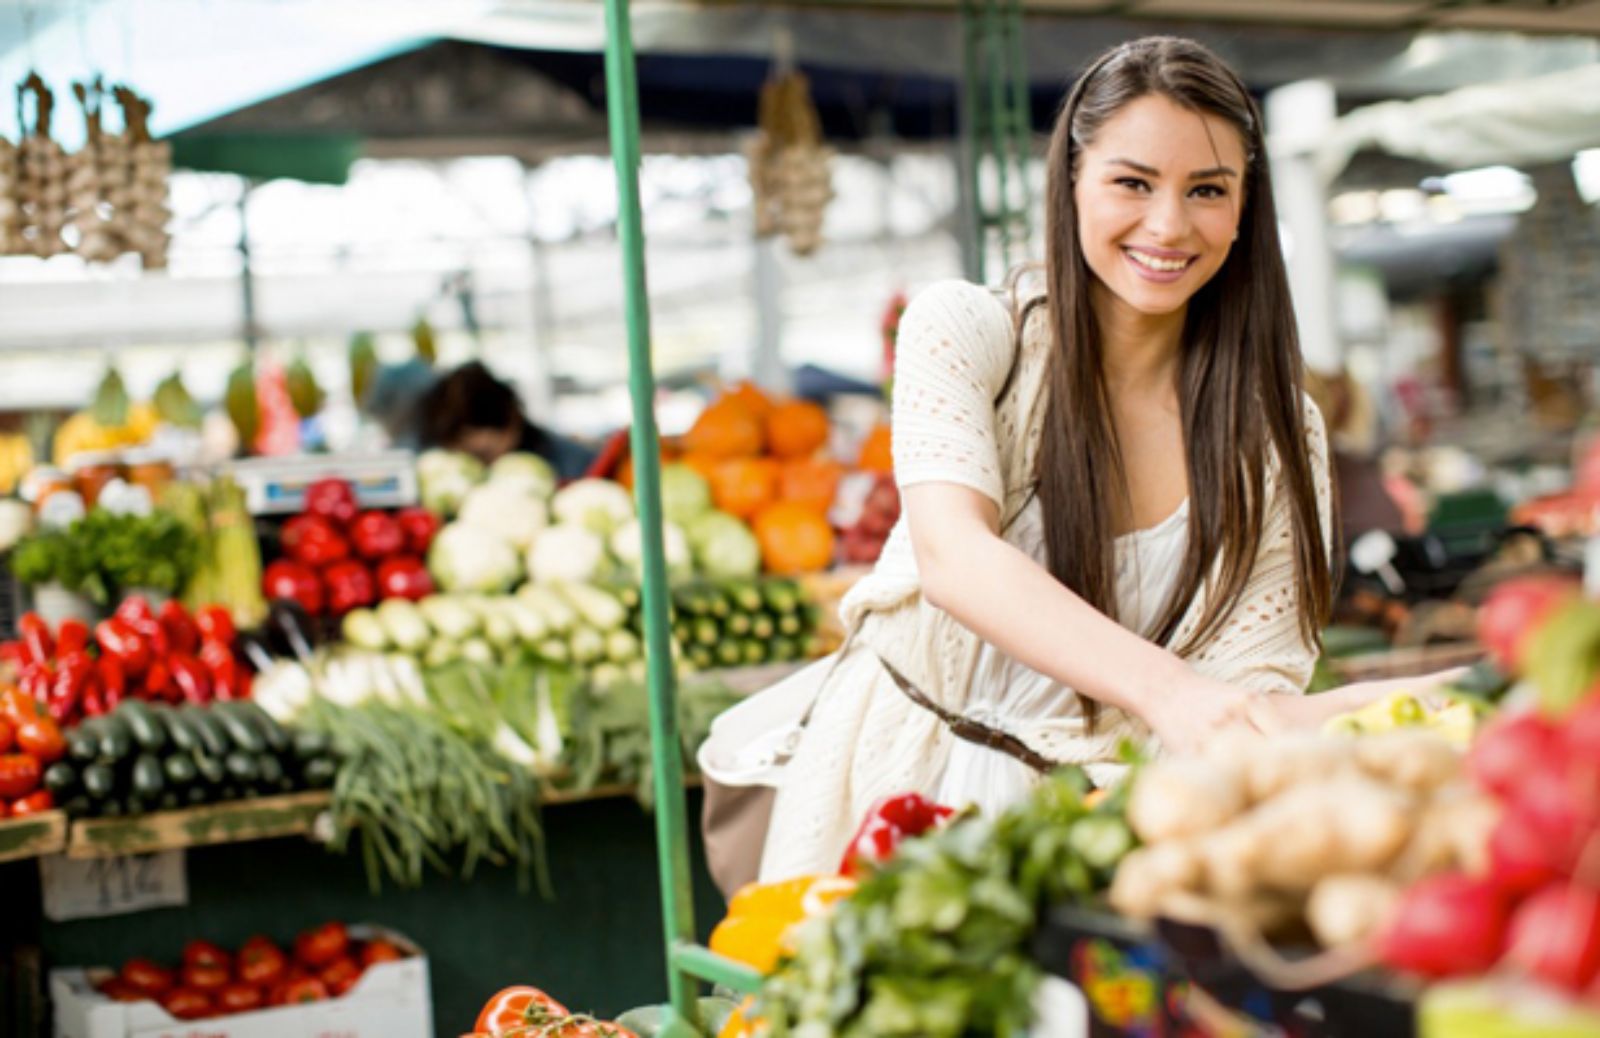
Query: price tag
[98, 887]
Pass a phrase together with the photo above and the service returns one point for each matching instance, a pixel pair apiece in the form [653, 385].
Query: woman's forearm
[1013, 603]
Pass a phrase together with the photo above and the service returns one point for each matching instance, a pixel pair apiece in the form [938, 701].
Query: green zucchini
[83, 742]
[242, 767]
[197, 794]
[110, 807]
[169, 801]
[213, 737]
[144, 725]
[209, 768]
[60, 779]
[180, 769]
[272, 732]
[241, 729]
[309, 744]
[319, 772]
[99, 781]
[148, 779]
[116, 740]
[78, 806]
[179, 730]
[269, 771]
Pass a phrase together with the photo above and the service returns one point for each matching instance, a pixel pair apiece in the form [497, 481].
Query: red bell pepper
[72, 637]
[314, 540]
[291, 580]
[158, 682]
[33, 803]
[66, 689]
[213, 654]
[191, 678]
[404, 576]
[123, 644]
[135, 611]
[35, 681]
[420, 527]
[112, 678]
[14, 654]
[377, 535]
[216, 624]
[94, 697]
[889, 821]
[183, 634]
[225, 679]
[350, 586]
[332, 499]
[37, 644]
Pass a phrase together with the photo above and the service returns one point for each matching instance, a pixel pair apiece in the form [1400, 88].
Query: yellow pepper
[761, 913]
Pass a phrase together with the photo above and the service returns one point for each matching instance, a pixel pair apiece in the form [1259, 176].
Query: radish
[1555, 936]
[1513, 611]
[1556, 816]
[1447, 925]
[1517, 860]
[1513, 747]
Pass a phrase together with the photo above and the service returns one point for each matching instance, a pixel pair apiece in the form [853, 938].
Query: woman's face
[1159, 192]
[486, 443]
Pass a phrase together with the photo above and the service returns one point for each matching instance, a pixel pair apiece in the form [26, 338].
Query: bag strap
[966, 728]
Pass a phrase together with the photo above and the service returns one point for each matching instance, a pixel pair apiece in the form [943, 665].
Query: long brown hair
[1238, 374]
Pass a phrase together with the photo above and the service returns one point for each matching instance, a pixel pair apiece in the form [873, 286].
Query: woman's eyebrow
[1151, 171]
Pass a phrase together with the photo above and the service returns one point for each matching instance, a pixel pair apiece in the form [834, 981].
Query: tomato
[40, 737]
[340, 975]
[146, 976]
[379, 950]
[321, 946]
[8, 735]
[516, 1007]
[204, 953]
[33, 803]
[241, 998]
[119, 990]
[261, 962]
[188, 1004]
[19, 775]
[296, 992]
[204, 977]
[17, 706]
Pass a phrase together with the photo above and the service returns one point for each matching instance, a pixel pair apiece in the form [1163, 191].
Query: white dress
[1005, 693]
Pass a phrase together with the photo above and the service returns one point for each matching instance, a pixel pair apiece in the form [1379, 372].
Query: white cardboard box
[390, 1000]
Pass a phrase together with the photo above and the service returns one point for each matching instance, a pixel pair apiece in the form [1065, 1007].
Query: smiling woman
[1117, 509]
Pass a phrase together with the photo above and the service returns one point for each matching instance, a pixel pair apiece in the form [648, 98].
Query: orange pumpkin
[744, 486]
[811, 482]
[726, 429]
[793, 538]
[876, 455]
[796, 428]
[750, 395]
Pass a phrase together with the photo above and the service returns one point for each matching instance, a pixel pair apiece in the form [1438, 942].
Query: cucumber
[783, 596]
[99, 781]
[213, 737]
[179, 730]
[789, 625]
[738, 624]
[148, 778]
[309, 744]
[83, 742]
[78, 806]
[116, 739]
[180, 769]
[197, 794]
[60, 779]
[272, 732]
[762, 627]
[169, 801]
[134, 805]
[241, 731]
[209, 768]
[269, 771]
[727, 653]
[319, 772]
[752, 652]
[144, 725]
[744, 593]
[242, 767]
[110, 808]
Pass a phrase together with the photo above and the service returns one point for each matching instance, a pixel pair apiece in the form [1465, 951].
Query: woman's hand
[1277, 713]
[1199, 712]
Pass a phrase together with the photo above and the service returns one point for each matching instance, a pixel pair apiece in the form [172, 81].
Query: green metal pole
[672, 831]
[1021, 115]
[994, 51]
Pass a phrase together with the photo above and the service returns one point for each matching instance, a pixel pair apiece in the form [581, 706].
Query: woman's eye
[1210, 191]
[1133, 183]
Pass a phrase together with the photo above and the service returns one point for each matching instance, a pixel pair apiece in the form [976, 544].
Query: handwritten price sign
[98, 887]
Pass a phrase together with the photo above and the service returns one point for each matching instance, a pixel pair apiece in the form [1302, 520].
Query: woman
[1116, 507]
[470, 410]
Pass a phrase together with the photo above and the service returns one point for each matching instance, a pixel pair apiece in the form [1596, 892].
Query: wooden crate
[261, 818]
[32, 836]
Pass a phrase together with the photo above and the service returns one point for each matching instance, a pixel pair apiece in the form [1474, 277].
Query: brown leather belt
[967, 729]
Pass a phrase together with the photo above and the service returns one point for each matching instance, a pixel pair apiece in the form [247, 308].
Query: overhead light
[1586, 171]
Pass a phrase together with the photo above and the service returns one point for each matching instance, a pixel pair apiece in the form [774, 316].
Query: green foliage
[106, 554]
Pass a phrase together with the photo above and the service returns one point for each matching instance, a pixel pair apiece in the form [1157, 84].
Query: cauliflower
[724, 547]
[599, 504]
[525, 469]
[445, 477]
[627, 544]
[685, 494]
[566, 551]
[508, 509]
[468, 558]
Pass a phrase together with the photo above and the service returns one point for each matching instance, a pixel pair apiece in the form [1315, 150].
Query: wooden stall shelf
[257, 819]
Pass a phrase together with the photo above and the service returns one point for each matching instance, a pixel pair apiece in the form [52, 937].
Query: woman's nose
[1167, 218]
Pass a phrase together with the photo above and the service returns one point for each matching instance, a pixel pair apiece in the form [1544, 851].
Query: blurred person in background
[1366, 500]
[471, 410]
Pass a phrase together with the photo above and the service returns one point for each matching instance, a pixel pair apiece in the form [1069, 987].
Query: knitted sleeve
[1260, 645]
[951, 360]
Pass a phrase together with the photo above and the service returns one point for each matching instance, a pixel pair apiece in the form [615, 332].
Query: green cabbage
[722, 546]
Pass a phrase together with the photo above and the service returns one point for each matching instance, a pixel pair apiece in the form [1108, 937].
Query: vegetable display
[136, 653]
[338, 558]
[322, 963]
[31, 744]
[150, 756]
[522, 1011]
[106, 554]
[228, 573]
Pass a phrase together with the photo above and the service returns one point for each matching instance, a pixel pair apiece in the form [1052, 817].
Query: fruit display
[16, 460]
[743, 623]
[211, 981]
[228, 571]
[522, 1011]
[153, 756]
[1457, 722]
[338, 558]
